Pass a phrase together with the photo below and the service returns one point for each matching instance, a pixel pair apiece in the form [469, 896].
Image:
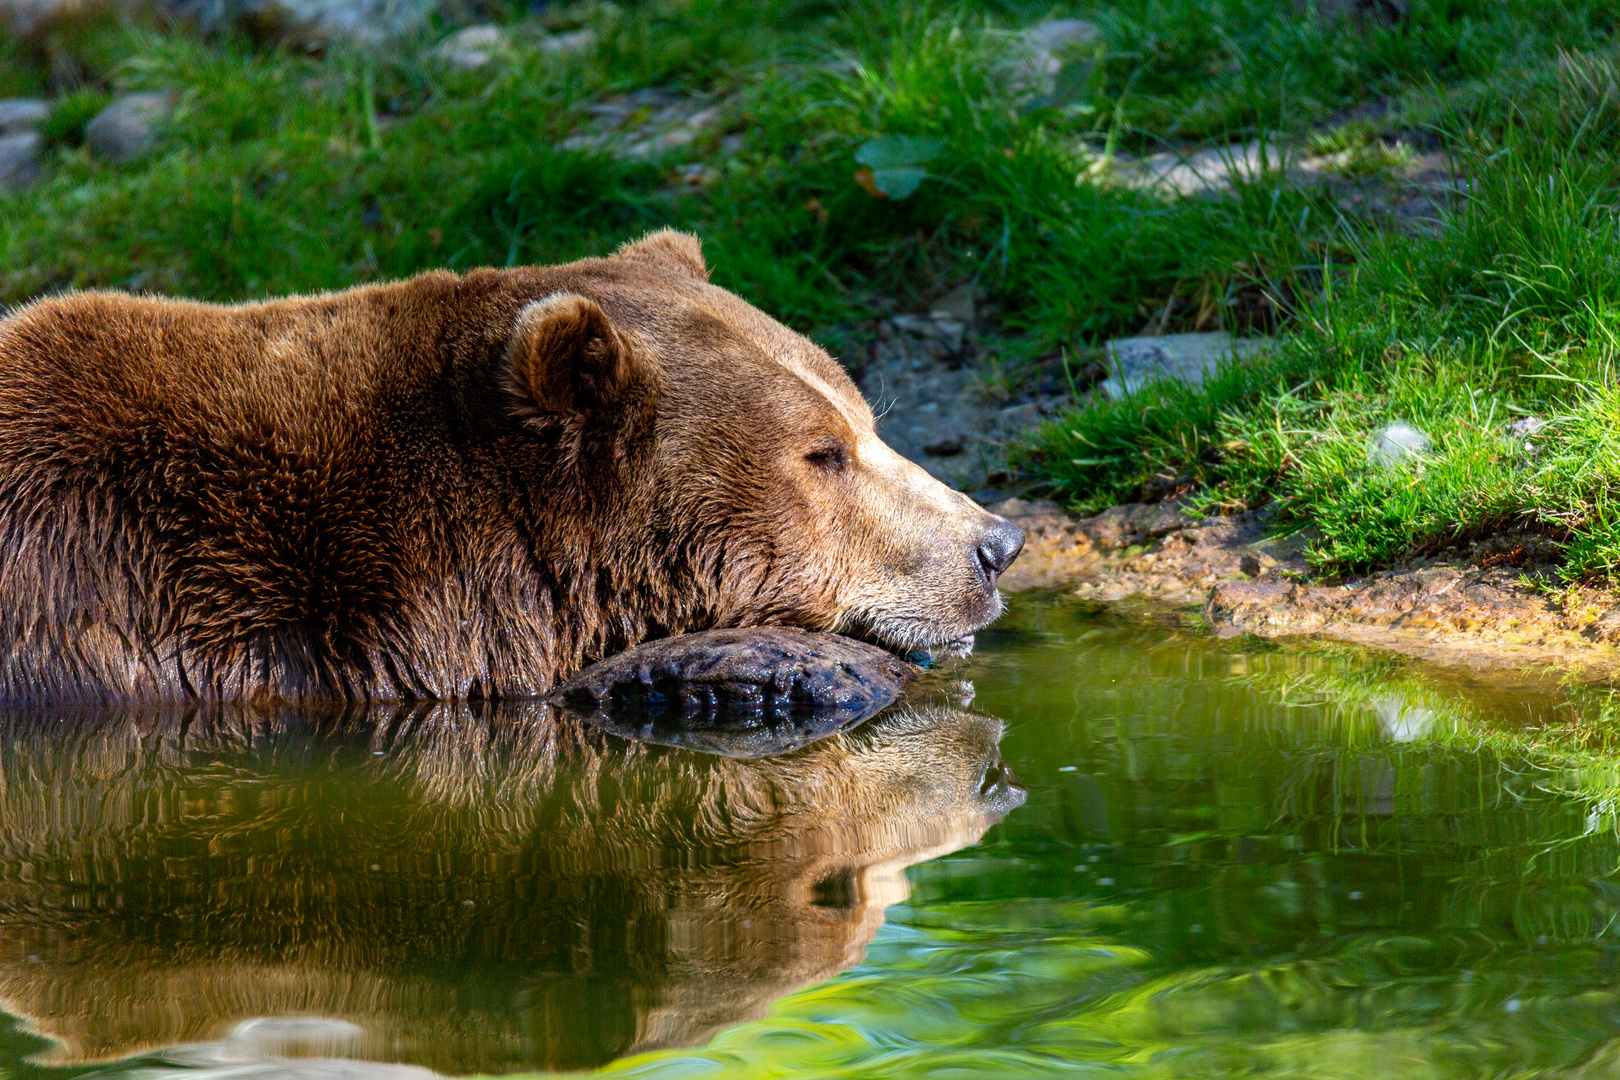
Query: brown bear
[455, 486]
[473, 887]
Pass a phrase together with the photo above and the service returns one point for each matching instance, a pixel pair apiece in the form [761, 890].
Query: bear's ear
[566, 357]
[678, 251]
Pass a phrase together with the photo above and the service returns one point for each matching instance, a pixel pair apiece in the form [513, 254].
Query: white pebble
[1397, 443]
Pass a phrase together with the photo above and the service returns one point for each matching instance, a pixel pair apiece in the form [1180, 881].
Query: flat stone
[1037, 51]
[25, 17]
[569, 44]
[958, 305]
[1153, 520]
[1214, 168]
[19, 160]
[1191, 358]
[742, 693]
[309, 22]
[128, 128]
[315, 22]
[21, 114]
[472, 47]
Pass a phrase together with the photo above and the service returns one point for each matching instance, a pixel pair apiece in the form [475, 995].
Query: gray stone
[19, 160]
[1215, 168]
[1154, 520]
[1526, 427]
[26, 17]
[312, 22]
[569, 44]
[1190, 358]
[21, 114]
[956, 306]
[1037, 52]
[472, 47]
[1397, 443]
[128, 128]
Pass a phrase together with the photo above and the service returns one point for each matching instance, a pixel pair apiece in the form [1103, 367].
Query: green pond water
[1105, 844]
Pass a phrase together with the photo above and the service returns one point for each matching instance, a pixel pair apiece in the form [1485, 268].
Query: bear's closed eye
[832, 457]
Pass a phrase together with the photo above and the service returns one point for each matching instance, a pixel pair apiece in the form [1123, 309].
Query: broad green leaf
[899, 152]
[898, 183]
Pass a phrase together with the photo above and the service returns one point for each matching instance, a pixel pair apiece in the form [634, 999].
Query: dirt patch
[938, 406]
[1484, 606]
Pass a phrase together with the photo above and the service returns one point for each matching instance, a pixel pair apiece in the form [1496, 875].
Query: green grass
[1509, 311]
[285, 172]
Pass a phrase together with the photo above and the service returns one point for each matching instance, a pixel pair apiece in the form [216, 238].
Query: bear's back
[229, 501]
[91, 366]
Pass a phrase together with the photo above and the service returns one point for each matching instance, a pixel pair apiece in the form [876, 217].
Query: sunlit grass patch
[1508, 312]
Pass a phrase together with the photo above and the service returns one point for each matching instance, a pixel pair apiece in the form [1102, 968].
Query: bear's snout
[998, 548]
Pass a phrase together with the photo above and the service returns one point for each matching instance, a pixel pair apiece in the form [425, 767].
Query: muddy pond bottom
[1105, 844]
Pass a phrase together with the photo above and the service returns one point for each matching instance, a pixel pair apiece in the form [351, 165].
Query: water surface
[1104, 844]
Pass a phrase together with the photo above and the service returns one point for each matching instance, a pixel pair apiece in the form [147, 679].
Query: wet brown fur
[457, 486]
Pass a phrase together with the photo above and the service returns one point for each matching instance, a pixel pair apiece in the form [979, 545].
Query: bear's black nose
[998, 549]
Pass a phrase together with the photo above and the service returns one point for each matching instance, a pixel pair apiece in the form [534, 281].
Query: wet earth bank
[1486, 604]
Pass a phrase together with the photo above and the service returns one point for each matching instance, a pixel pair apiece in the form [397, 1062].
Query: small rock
[19, 160]
[309, 24]
[1038, 50]
[569, 44]
[1214, 168]
[1150, 521]
[1526, 427]
[21, 114]
[1015, 419]
[956, 305]
[1398, 442]
[26, 19]
[471, 48]
[947, 447]
[128, 128]
[1191, 358]
[1056, 34]
[697, 174]
[703, 118]
[583, 142]
[950, 335]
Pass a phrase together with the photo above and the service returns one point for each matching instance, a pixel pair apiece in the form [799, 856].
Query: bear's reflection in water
[467, 890]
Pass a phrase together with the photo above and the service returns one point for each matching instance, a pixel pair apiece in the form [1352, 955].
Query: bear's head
[738, 463]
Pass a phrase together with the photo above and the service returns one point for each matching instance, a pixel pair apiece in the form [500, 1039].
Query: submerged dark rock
[742, 693]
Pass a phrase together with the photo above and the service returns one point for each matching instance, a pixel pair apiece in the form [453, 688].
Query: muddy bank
[1481, 605]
